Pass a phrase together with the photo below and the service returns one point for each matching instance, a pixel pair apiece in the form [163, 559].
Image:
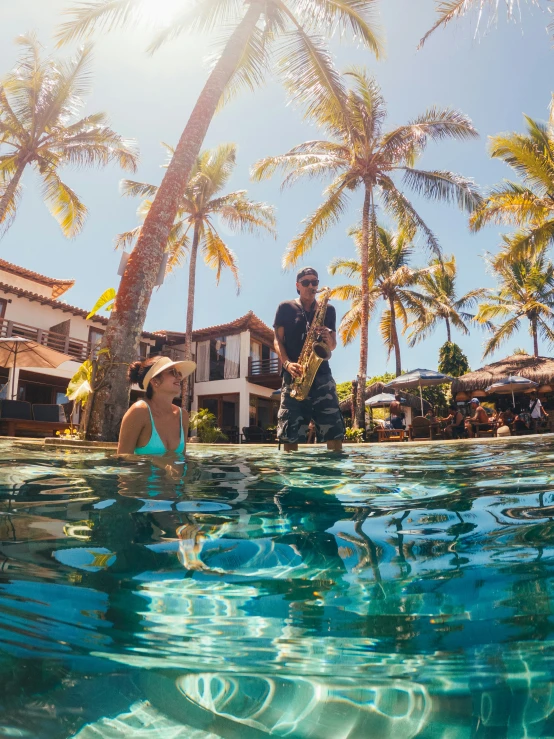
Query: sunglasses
[173, 371]
[307, 283]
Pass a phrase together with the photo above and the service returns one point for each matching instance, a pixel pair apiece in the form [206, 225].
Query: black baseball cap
[306, 271]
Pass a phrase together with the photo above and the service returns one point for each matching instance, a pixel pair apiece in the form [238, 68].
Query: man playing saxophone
[293, 321]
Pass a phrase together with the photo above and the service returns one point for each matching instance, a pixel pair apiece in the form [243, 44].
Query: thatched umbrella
[537, 369]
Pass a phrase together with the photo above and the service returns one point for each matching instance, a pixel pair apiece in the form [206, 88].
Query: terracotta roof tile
[59, 287]
[248, 322]
[59, 304]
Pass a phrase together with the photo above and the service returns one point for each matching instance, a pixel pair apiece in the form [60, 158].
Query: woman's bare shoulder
[138, 410]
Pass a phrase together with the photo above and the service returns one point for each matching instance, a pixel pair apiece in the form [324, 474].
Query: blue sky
[493, 79]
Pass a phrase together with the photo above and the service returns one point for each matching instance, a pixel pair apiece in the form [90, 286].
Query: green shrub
[354, 435]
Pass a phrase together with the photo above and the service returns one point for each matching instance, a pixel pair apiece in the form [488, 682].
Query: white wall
[239, 386]
[35, 287]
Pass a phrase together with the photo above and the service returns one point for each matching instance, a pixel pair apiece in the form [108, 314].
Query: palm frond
[509, 204]
[127, 238]
[308, 73]
[316, 225]
[201, 18]
[103, 15]
[524, 157]
[350, 324]
[218, 256]
[449, 10]
[445, 186]
[501, 335]
[64, 204]
[357, 16]
[133, 189]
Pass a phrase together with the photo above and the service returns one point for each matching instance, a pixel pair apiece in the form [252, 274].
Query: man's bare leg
[290, 447]
[334, 446]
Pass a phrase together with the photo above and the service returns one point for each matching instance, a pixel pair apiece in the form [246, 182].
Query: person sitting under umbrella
[397, 416]
[479, 421]
[455, 423]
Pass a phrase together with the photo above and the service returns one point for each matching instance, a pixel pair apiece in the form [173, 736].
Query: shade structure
[512, 384]
[17, 352]
[380, 401]
[420, 378]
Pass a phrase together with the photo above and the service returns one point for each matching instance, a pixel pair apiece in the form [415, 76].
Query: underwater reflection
[381, 593]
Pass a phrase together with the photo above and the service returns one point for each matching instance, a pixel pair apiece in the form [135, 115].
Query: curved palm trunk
[11, 189]
[394, 337]
[190, 313]
[448, 331]
[535, 337]
[126, 321]
[368, 235]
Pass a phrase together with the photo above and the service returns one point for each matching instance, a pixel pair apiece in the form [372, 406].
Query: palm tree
[38, 104]
[391, 280]
[359, 155]
[525, 291]
[528, 206]
[439, 302]
[451, 10]
[200, 205]
[276, 34]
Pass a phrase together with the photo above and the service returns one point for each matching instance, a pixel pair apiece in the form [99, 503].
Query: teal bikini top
[155, 445]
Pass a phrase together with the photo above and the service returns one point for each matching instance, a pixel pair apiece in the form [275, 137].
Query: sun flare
[161, 12]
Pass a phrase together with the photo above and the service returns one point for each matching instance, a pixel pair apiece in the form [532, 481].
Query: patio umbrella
[381, 401]
[512, 384]
[17, 352]
[419, 378]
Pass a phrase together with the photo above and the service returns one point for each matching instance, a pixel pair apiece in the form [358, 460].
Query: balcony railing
[77, 349]
[264, 367]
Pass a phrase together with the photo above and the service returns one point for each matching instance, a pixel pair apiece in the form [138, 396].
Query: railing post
[66, 345]
[9, 329]
[39, 336]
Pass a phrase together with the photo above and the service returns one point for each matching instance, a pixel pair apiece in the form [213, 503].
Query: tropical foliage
[358, 154]
[39, 128]
[391, 281]
[284, 35]
[452, 360]
[105, 301]
[486, 12]
[525, 294]
[195, 227]
[440, 303]
[527, 205]
[205, 424]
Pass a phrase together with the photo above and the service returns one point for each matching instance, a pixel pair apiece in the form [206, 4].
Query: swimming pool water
[398, 591]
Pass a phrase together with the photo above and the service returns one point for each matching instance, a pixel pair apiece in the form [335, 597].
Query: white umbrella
[17, 352]
[381, 400]
[420, 378]
[512, 384]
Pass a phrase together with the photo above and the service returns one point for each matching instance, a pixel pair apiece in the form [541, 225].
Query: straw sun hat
[164, 363]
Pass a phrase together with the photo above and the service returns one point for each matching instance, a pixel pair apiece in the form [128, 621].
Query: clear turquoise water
[391, 592]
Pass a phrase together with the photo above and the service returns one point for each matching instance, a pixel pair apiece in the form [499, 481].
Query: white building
[31, 306]
[237, 373]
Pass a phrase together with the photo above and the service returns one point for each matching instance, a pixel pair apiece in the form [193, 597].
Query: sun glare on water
[162, 12]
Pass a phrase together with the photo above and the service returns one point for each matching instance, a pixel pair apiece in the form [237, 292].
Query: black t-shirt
[294, 320]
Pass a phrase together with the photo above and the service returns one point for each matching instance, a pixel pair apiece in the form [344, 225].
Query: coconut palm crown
[359, 154]
[285, 36]
[439, 302]
[391, 280]
[525, 293]
[39, 128]
[195, 226]
[527, 205]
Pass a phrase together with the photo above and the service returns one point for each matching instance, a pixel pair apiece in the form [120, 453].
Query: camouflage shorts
[321, 405]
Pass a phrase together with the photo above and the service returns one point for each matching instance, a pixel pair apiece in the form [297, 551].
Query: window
[143, 349]
[3, 304]
[217, 358]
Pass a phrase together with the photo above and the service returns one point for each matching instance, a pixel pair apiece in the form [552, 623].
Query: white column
[244, 394]
[13, 381]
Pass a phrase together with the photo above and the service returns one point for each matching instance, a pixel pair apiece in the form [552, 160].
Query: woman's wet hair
[453, 406]
[137, 372]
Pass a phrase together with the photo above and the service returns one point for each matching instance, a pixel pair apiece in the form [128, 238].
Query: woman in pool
[155, 426]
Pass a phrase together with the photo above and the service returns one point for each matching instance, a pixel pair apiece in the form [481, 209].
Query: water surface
[398, 591]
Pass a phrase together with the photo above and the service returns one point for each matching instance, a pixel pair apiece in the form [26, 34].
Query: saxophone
[314, 351]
